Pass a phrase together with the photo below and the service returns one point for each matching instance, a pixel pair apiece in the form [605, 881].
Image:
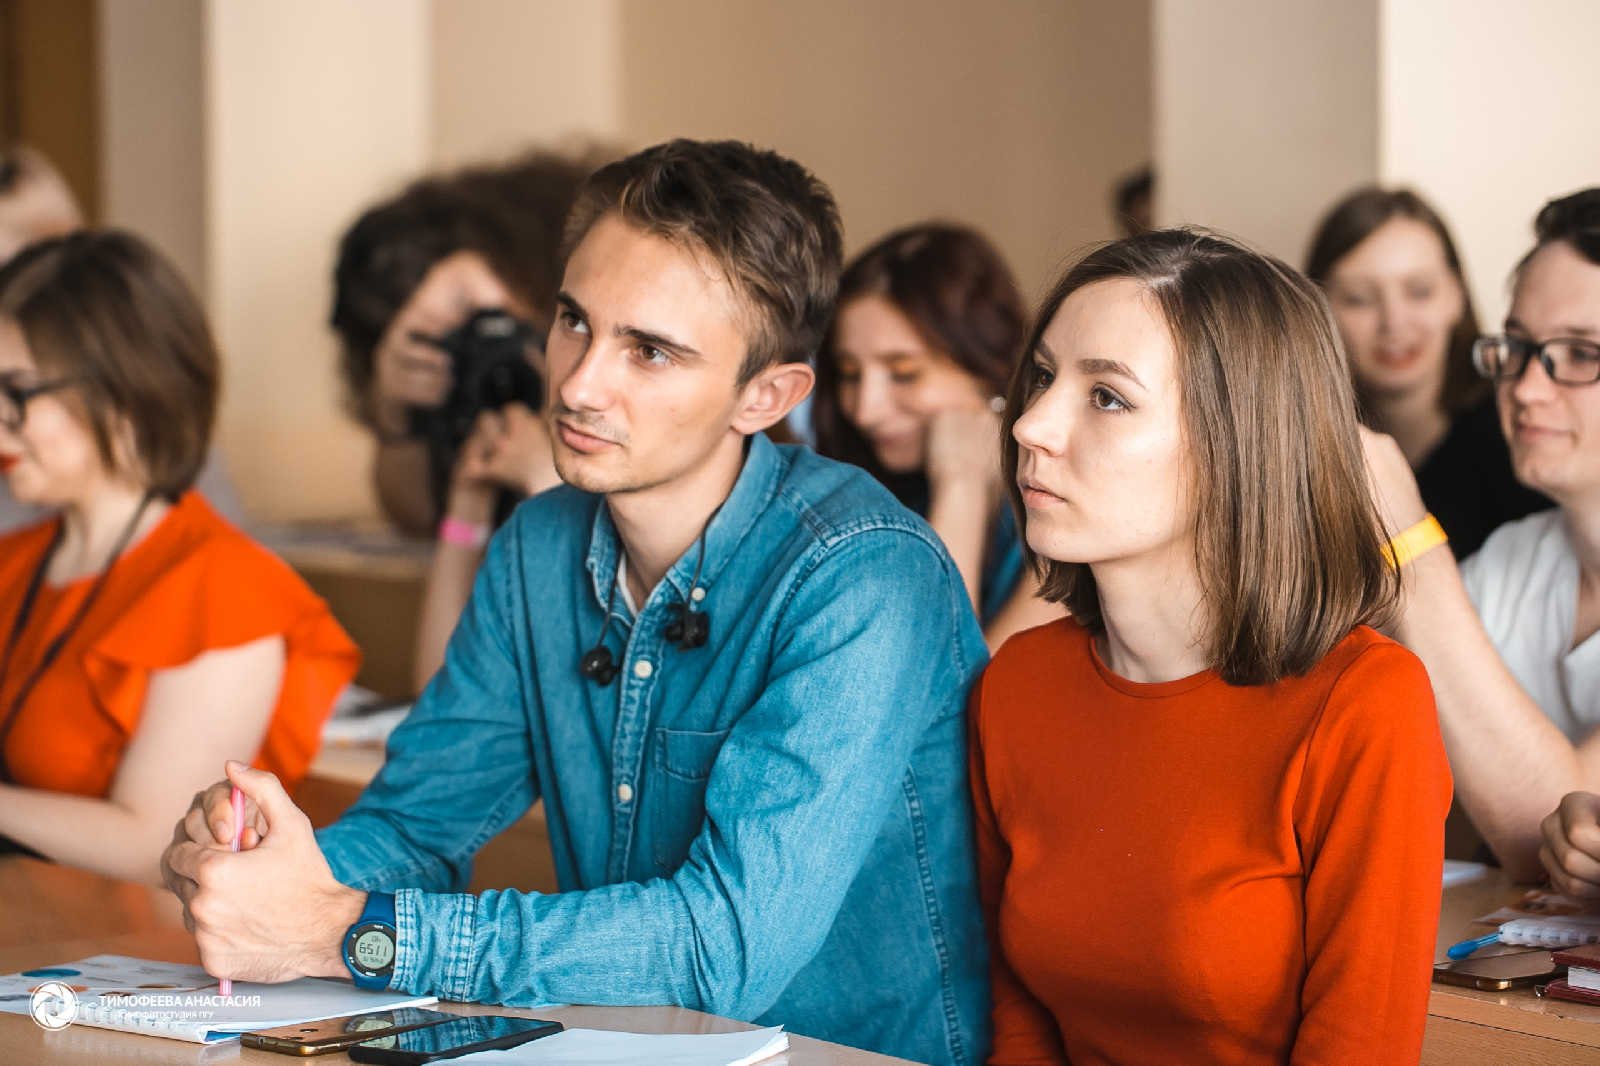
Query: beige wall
[510, 73]
[1265, 113]
[1014, 117]
[246, 136]
[152, 150]
[314, 108]
[1490, 109]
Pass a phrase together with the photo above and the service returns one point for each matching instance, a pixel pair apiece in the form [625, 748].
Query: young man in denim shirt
[734, 672]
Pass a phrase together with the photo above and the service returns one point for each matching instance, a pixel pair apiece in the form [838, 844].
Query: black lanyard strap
[53, 649]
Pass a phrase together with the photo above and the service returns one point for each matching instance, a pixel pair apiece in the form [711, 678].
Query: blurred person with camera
[925, 335]
[442, 298]
[145, 637]
[1389, 267]
[1511, 638]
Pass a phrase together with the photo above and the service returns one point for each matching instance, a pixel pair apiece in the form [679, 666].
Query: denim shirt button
[625, 793]
[642, 669]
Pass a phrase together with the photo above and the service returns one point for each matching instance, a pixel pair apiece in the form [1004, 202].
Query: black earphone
[688, 629]
[597, 664]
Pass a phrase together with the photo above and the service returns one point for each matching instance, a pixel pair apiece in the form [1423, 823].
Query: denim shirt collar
[752, 492]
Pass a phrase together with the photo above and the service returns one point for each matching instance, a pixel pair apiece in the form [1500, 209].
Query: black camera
[489, 368]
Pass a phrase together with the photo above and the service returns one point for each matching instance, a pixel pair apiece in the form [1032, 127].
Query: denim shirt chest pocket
[683, 762]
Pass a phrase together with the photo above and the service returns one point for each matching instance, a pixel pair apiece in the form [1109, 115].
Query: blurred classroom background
[244, 136]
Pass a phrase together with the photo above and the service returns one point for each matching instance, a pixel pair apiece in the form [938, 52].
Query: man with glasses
[1510, 638]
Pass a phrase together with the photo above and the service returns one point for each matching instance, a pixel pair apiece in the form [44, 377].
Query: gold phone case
[1497, 973]
[341, 1034]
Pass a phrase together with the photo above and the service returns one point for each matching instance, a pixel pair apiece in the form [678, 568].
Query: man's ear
[771, 395]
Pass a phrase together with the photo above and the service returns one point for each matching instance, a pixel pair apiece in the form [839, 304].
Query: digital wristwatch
[369, 945]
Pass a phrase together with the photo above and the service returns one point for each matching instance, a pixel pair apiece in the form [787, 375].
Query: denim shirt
[775, 827]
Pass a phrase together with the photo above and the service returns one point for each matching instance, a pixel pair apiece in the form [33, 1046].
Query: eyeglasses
[1568, 362]
[14, 399]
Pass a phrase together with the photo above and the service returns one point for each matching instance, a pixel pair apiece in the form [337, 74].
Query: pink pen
[225, 986]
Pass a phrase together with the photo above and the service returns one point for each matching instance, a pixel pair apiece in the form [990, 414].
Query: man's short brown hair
[105, 311]
[1288, 540]
[765, 221]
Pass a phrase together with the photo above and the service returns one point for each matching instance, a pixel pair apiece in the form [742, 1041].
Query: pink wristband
[463, 534]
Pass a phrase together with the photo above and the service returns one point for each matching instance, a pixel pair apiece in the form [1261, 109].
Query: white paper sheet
[597, 1047]
[103, 973]
[1459, 872]
[169, 1000]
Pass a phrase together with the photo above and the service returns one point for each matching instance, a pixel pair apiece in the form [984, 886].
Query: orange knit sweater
[1203, 873]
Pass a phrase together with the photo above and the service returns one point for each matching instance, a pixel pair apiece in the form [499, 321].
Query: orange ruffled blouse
[193, 584]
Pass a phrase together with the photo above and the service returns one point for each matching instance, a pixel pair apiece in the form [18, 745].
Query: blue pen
[1467, 947]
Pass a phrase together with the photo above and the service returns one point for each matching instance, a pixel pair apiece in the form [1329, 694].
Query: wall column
[313, 110]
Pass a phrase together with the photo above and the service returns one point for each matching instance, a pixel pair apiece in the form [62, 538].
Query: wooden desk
[1504, 1028]
[42, 905]
[53, 914]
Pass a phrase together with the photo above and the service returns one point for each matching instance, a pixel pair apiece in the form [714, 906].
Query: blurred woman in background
[1511, 638]
[146, 640]
[1390, 269]
[35, 204]
[924, 337]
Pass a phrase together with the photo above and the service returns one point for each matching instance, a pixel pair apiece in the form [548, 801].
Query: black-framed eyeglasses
[1566, 360]
[14, 398]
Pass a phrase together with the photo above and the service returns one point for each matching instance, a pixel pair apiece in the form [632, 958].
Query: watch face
[373, 949]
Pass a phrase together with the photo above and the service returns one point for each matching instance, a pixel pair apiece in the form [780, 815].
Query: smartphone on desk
[462, 1035]
[1498, 973]
[339, 1034]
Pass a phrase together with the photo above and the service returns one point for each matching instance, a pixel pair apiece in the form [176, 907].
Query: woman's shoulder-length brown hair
[955, 289]
[1288, 540]
[1354, 219]
[104, 310]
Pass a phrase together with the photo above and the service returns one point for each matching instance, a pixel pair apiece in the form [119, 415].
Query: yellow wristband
[1420, 539]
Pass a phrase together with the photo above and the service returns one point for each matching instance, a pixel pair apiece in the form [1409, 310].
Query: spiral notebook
[183, 1002]
[1547, 920]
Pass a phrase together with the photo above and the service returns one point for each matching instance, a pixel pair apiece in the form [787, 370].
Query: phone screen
[462, 1032]
[333, 1033]
[403, 1018]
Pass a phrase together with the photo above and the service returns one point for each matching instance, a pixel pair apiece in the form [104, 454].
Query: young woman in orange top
[143, 639]
[1211, 804]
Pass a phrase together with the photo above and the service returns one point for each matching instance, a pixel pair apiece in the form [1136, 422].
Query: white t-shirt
[1524, 583]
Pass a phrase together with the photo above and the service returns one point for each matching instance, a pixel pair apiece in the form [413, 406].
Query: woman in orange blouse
[145, 640]
[1210, 804]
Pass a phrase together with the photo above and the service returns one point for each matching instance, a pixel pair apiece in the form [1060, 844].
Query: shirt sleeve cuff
[434, 952]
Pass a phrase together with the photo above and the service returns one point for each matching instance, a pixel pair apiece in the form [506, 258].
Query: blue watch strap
[379, 911]
[379, 908]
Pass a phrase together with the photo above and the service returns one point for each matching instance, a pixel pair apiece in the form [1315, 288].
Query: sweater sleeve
[1370, 816]
[1025, 1033]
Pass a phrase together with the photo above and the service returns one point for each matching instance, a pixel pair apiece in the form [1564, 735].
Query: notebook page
[167, 1002]
[251, 1007]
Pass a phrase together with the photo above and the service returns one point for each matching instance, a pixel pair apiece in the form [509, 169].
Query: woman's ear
[125, 461]
[772, 394]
